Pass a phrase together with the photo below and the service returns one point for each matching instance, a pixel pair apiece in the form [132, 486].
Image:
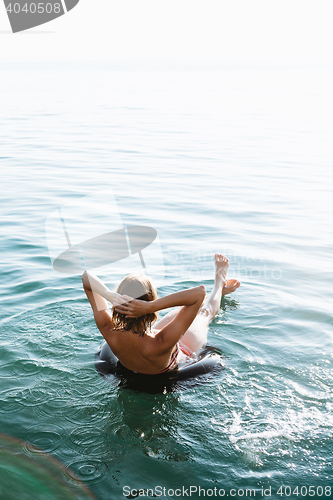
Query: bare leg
[196, 336]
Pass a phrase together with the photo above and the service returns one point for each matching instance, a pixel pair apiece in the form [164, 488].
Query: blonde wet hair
[139, 287]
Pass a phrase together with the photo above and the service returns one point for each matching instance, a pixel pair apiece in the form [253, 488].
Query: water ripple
[90, 441]
[46, 438]
[89, 470]
[51, 407]
[92, 413]
[25, 368]
[11, 400]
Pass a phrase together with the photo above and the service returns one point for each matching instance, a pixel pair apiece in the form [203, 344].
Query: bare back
[141, 354]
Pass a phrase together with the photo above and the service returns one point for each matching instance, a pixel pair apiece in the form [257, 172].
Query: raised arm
[187, 298]
[97, 292]
[93, 283]
[191, 300]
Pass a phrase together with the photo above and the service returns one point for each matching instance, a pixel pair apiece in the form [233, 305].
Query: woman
[129, 330]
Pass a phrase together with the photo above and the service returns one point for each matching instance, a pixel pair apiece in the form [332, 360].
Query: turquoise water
[234, 159]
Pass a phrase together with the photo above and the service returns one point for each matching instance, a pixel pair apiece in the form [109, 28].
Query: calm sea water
[217, 158]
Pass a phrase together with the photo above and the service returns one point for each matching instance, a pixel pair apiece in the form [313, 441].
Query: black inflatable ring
[209, 360]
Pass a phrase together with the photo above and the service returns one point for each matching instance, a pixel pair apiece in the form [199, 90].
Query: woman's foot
[230, 286]
[221, 267]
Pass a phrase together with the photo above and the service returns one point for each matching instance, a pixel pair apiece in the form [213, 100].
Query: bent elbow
[85, 279]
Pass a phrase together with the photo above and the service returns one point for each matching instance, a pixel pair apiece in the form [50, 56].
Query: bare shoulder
[156, 346]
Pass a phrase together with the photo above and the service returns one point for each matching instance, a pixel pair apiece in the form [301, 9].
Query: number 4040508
[305, 491]
[34, 8]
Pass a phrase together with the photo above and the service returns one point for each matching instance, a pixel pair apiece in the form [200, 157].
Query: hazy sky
[179, 29]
